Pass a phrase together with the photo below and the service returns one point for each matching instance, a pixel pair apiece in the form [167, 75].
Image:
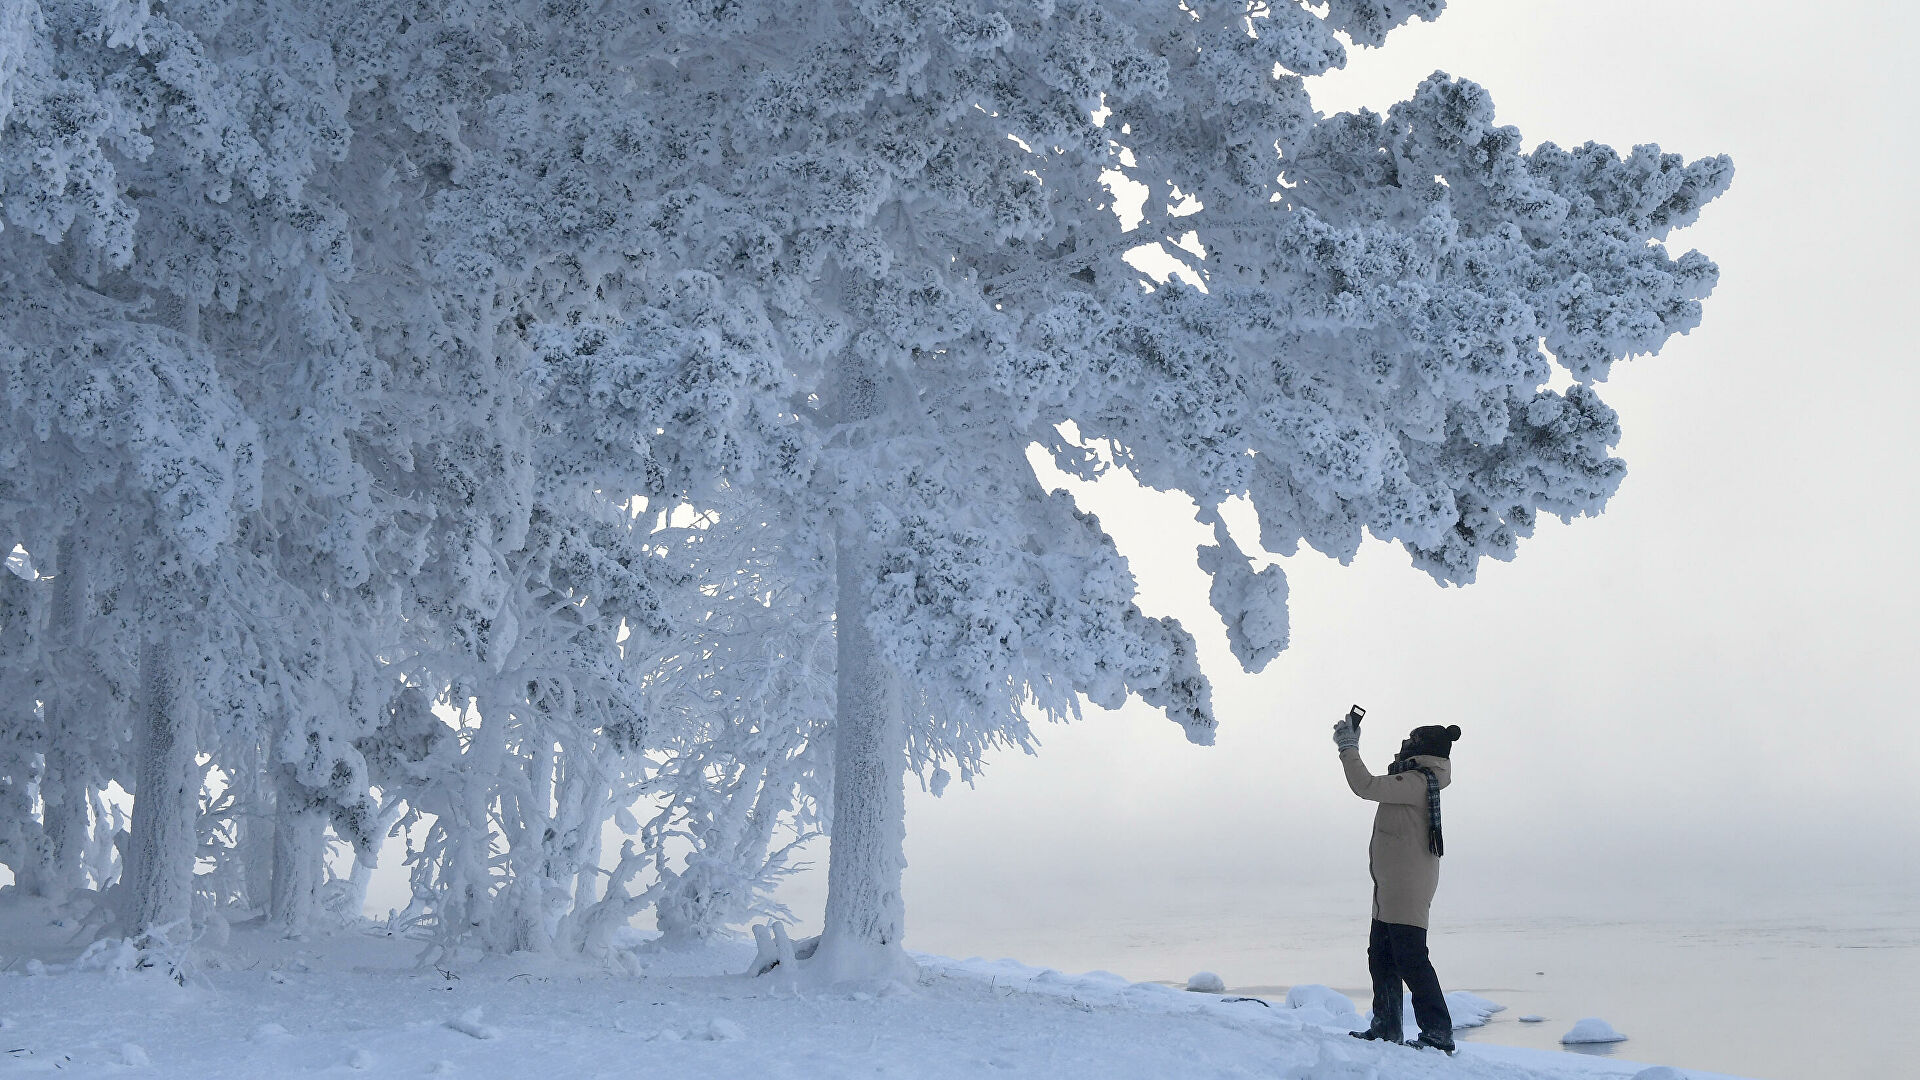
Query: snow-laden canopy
[358, 349]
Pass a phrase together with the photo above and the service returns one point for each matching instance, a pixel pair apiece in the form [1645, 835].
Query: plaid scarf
[1435, 842]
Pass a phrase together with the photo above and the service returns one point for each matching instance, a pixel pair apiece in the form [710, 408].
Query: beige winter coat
[1405, 873]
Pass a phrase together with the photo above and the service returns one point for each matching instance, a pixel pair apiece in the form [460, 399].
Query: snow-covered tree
[889, 234]
[368, 320]
[170, 383]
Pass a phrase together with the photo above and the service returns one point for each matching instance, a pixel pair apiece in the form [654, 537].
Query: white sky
[1700, 701]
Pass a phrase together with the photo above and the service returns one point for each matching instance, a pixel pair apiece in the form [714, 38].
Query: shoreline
[359, 1002]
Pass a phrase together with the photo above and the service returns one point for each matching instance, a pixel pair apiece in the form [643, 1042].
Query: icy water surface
[1794, 998]
[1780, 1002]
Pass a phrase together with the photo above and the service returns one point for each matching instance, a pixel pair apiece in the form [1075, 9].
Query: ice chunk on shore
[1206, 982]
[1533, 1018]
[1591, 1029]
[1660, 1072]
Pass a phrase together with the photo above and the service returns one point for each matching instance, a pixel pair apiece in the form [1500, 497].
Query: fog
[1700, 701]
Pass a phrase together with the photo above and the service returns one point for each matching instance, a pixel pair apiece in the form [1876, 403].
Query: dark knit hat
[1433, 740]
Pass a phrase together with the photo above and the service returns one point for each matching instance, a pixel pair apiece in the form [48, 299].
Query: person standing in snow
[1404, 858]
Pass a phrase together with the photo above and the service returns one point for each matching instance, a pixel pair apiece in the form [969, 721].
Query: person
[1404, 858]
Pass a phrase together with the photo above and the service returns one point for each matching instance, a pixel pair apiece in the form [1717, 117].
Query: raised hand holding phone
[1346, 733]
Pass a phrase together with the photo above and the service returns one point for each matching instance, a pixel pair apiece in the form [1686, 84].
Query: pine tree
[372, 320]
[890, 236]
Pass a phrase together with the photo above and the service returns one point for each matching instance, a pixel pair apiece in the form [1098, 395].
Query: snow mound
[1532, 1018]
[1316, 996]
[269, 1031]
[1323, 1006]
[721, 1029]
[1592, 1029]
[1660, 1072]
[132, 1055]
[1206, 982]
[468, 1023]
[1467, 1010]
[1460, 1000]
[360, 1059]
[106, 954]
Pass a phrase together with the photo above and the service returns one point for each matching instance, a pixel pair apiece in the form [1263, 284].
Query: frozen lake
[1777, 997]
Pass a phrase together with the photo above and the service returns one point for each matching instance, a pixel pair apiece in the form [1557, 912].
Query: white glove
[1345, 735]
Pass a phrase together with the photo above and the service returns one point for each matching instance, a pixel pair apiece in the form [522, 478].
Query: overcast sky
[1703, 698]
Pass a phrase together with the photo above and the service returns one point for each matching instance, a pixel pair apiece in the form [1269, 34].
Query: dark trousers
[1396, 954]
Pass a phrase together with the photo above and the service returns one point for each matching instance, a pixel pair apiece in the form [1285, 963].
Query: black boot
[1431, 1041]
[1375, 1035]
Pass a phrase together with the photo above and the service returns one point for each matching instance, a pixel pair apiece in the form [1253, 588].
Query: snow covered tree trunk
[63, 811]
[572, 843]
[63, 781]
[166, 790]
[366, 862]
[865, 918]
[23, 844]
[256, 829]
[299, 860]
[866, 849]
[531, 849]
[359, 879]
[466, 913]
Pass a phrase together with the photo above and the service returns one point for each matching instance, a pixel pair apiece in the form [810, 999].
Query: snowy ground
[355, 1004]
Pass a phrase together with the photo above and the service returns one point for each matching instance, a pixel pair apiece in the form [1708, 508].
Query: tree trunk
[255, 812]
[63, 810]
[166, 793]
[299, 859]
[865, 918]
[366, 862]
[532, 843]
[64, 781]
[468, 907]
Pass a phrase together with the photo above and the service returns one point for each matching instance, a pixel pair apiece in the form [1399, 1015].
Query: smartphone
[1355, 715]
